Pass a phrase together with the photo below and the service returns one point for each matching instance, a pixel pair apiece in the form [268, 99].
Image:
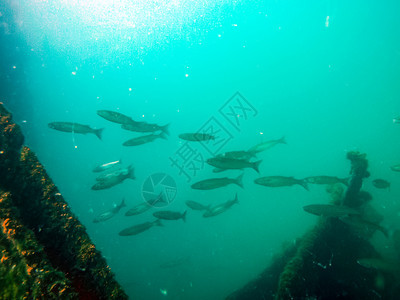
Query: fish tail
[282, 140]
[304, 184]
[184, 216]
[256, 165]
[163, 135]
[345, 181]
[98, 132]
[239, 180]
[165, 129]
[236, 199]
[131, 174]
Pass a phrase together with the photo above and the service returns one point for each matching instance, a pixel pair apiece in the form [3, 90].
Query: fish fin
[256, 165]
[98, 132]
[252, 153]
[304, 184]
[239, 180]
[122, 203]
[184, 216]
[165, 129]
[282, 140]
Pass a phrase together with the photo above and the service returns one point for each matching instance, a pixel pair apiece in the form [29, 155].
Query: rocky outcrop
[323, 264]
[45, 250]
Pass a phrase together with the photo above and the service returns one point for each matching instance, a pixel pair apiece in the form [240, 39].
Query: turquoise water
[324, 74]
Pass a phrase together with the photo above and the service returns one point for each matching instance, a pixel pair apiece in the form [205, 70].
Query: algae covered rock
[45, 250]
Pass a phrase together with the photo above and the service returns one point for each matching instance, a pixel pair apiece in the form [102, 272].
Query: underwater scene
[217, 149]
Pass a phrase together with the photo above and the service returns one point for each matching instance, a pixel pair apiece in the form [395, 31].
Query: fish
[326, 180]
[106, 166]
[145, 127]
[278, 181]
[170, 215]
[144, 206]
[218, 170]
[117, 173]
[138, 209]
[113, 180]
[110, 213]
[230, 163]
[220, 208]
[115, 117]
[144, 139]
[328, 210]
[395, 168]
[196, 137]
[379, 264]
[139, 228]
[196, 206]
[245, 155]
[75, 128]
[214, 183]
[358, 223]
[266, 145]
[381, 184]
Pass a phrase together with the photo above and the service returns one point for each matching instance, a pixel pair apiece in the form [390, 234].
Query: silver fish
[114, 180]
[278, 181]
[136, 229]
[266, 145]
[196, 137]
[245, 155]
[138, 209]
[144, 206]
[109, 213]
[395, 168]
[220, 208]
[170, 215]
[196, 206]
[326, 180]
[230, 163]
[75, 128]
[115, 117]
[106, 166]
[117, 173]
[379, 264]
[359, 224]
[214, 183]
[145, 127]
[144, 139]
[328, 210]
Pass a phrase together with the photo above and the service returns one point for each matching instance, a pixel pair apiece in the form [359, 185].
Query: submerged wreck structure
[335, 259]
[45, 251]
